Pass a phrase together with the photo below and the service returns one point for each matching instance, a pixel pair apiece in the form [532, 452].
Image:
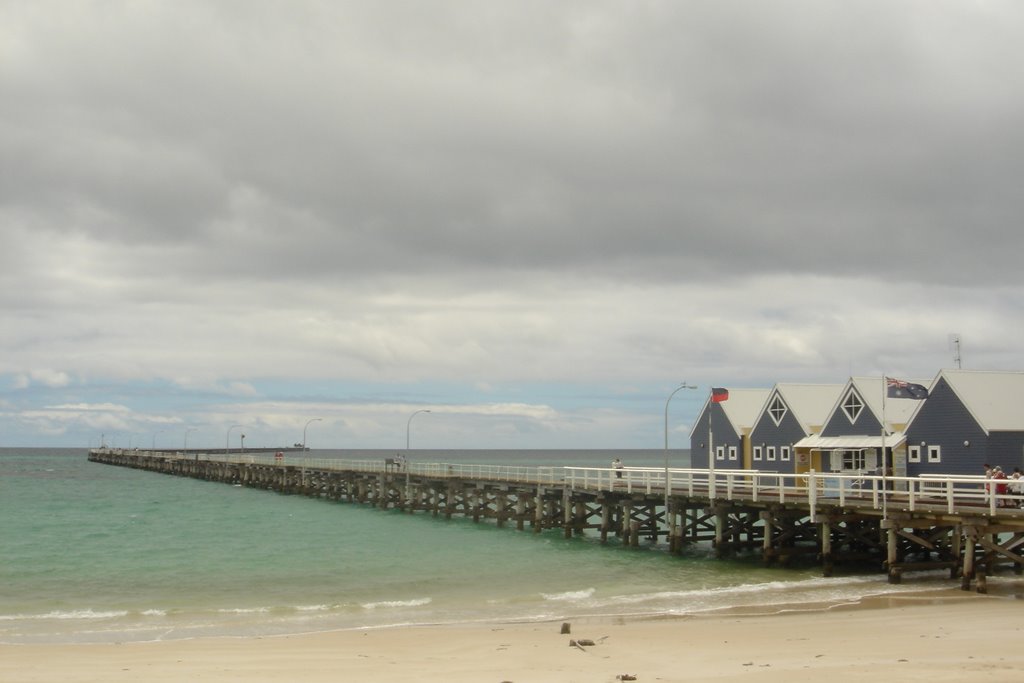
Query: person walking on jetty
[617, 466]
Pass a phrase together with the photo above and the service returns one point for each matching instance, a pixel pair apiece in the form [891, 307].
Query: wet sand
[947, 636]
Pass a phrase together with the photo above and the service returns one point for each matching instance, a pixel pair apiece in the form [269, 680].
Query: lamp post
[682, 386]
[407, 424]
[315, 419]
[227, 440]
[191, 429]
[154, 438]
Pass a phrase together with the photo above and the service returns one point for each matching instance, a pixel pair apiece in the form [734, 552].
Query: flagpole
[885, 498]
[711, 454]
[717, 396]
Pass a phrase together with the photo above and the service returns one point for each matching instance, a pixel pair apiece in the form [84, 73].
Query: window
[777, 409]
[784, 453]
[854, 460]
[913, 454]
[865, 460]
[719, 453]
[771, 452]
[732, 452]
[934, 454]
[852, 406]
[757, 452]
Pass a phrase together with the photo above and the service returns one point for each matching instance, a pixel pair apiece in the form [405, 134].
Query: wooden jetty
[899, 524]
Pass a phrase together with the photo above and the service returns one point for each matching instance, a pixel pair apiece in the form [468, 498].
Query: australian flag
[897, 388]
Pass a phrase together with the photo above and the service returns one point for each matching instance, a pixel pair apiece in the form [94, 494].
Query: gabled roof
[872, 389]
[994, 399]
[741, 408]
[810, 404]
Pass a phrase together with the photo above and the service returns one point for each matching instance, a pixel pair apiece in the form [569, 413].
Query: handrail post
[812, 495]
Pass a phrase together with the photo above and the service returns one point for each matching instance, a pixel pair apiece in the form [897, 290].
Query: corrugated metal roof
[743, 406]
[897, 410]
[810, 403]
[993, 398]
[849, 443]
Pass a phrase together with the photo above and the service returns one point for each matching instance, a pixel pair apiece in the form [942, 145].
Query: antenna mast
[954, 341]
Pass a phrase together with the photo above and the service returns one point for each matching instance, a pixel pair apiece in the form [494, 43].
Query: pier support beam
[825, 533]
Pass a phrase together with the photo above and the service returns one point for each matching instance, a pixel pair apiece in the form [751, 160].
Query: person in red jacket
[1000, 478]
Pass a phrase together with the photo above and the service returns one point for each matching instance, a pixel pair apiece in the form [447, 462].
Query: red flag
[718, 395]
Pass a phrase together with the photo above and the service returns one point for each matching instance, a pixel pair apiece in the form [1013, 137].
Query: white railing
[951, 494]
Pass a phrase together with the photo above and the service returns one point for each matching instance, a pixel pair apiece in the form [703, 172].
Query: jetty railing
[951, 494]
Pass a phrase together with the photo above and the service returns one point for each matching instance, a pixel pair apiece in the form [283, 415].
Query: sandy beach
[950, 636]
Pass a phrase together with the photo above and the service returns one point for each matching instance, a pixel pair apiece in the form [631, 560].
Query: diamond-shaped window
[852, 406]
[777, 409]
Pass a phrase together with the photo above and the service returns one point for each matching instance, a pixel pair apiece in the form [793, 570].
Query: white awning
[849, 443]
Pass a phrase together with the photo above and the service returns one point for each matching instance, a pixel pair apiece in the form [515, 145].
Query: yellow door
[806, 459]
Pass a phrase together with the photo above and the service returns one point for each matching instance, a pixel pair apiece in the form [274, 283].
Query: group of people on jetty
[1003, 484]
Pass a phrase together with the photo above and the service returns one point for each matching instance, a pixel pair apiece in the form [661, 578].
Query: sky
[312, 220]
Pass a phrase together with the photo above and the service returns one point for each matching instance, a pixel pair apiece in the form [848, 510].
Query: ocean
[96, 553]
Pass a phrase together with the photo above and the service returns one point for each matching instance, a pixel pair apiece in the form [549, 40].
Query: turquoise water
[95, 553]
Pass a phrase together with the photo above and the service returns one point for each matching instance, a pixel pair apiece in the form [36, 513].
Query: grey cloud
[186, 153]
[650, 141]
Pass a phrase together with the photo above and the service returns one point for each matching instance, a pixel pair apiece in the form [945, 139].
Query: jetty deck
[899, 524]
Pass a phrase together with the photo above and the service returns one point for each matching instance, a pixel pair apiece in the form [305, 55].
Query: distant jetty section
[205, 452]
[966, 525]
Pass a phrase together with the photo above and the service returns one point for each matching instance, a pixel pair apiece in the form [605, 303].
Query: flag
[897, 388]
[718, 395]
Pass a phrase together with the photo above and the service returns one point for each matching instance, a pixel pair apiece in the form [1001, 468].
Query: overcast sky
[533, 218]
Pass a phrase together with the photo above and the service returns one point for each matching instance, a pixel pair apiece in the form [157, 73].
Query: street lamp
[315, 419]
[407, 424]
[191, 429]
[682, 386]
[227, 439]
[154, 438]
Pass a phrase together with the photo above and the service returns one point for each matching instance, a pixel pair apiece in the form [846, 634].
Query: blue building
[851, 439]
[791, 413]
[971, 418]
[724, 427]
